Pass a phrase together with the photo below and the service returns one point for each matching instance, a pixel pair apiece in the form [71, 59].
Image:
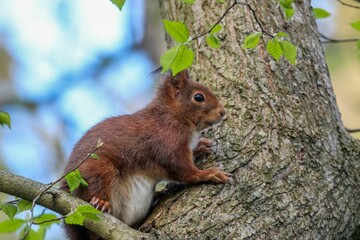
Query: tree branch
[49, 186]
[330, 40]
[217, 22]
[62, 203]
[348, 5]
[352, 130]
[226, 12]
[256, 19]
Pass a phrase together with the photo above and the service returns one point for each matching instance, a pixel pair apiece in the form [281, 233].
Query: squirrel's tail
[76, 232]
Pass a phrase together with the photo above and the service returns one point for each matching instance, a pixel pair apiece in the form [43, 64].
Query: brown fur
[153, 143]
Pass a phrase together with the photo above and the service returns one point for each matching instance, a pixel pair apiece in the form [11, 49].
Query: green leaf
[94, 156]
[23, 205]
[34, 235]
[9, 209]
[282, 34]
[216, 29]
[89, 212]
[188, 1]
[289, 12]
[286, 5]
[274, 49]
[213, 41]
[168, 57]
[220, 1]
[5, 119]
[41, 232]
[356, 25]
[74, 218]
[87, 209]
[11, 225]
[289, 51]
[118, 3]
[81, 213]
[31, 234]
[183, 60]
[252, 40]
[177, 59]
[320, 13]
[47, 218]
[74, 180]
[177, 30]
[83, 182]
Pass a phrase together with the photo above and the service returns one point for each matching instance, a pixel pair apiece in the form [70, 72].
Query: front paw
[203, 149]
[215, 175]
[100, 204]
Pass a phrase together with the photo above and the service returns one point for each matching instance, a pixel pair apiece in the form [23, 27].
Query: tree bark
[296, 169]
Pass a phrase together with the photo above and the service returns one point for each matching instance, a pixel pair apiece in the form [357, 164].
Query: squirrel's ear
[180, 80]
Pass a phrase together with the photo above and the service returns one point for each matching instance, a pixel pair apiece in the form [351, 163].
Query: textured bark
[296, 170]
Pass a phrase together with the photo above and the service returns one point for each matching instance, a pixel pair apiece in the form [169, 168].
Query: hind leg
[98, 174]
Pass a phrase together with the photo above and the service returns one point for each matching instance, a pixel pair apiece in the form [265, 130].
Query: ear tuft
[180, 80]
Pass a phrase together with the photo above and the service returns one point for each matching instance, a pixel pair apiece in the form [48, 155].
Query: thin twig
[349, 5]
[50, 185]
[217, 22]
[256, 19]
[51, 220]
[226, 12]
[15, 201]
[352, 130]
[330, 40]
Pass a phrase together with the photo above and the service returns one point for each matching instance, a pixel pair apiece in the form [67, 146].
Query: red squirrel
[159, 142]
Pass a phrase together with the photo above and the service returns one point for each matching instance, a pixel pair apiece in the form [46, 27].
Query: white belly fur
[194, 140]
[131, 199]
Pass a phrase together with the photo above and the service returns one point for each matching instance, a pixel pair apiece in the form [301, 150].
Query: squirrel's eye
[199, 97]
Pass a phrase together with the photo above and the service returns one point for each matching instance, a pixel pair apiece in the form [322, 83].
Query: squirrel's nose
[222, 112]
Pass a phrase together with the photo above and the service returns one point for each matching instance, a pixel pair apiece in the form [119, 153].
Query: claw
[93, 201]
[100, 204]
[203, 149]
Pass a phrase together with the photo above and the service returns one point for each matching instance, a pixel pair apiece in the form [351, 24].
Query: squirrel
[159, 142]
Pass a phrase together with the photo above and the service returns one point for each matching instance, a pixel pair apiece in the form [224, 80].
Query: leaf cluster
[74, 180]
[276, 47]
[13, 224]
[77, 216]
[181, 56]
[44, 220]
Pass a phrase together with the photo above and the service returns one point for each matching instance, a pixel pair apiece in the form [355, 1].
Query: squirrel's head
[191, 102]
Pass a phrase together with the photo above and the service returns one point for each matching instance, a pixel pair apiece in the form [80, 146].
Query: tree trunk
[295, 168]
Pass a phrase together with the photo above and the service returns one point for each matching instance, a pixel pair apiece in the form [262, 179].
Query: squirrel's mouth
[210, 123]
[206, 124]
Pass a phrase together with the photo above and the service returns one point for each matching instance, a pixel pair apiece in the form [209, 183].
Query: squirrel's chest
[131, 199]
[194, 140]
